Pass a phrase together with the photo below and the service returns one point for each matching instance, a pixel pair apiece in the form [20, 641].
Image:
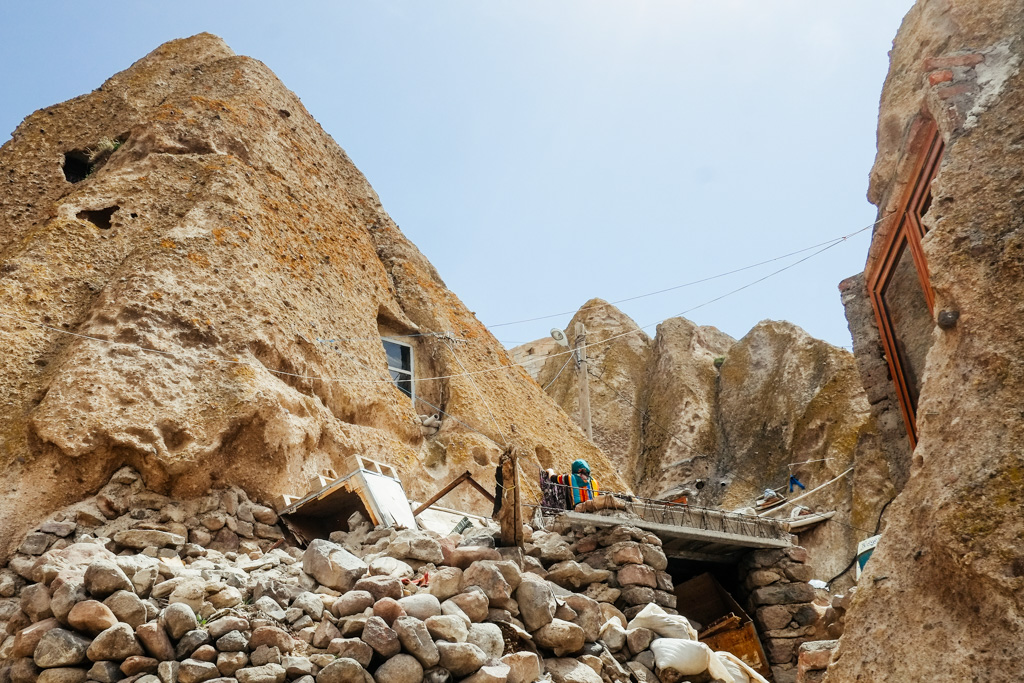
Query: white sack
[664, 624]
[740, 670]
[688, 657]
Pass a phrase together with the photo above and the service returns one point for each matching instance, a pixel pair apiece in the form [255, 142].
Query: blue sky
[543, 153]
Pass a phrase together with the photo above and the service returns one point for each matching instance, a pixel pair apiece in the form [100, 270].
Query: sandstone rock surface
[192, 206]
[943, 594]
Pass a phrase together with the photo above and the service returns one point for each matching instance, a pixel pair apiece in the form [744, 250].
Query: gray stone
[195, 671]
[155, 641]
[230, 662]
[399, 669]
[461, 659]
[445, 583]
[489, 638]
[588, 615]
[297, 666]
[352, 602]
[448, 627]
[232, 641]
[59, 648]
[342, 670]
[325, 632]
[168, 671]
[219, 627]
[311, 604]
[561, 636]
[141, 539]
[495, 673]
[571, 574]
[35, 543]
[271, 635]
[270, 607]
[104, 578]
[267, 673]
[415, 638]
[784, 594]
[473, 603]
[35, 602]
[421, 605]
[64, 596]
[105, 672]
[490, 579]
[117, 643]
[332, 565]
[128, 607]
[178, 619]
[573, 671]
[536, 602]
[62, 675]
[352, 648]
[524, 667]
[378, 635]
[639, 639]
[380, 587]
[190, 642]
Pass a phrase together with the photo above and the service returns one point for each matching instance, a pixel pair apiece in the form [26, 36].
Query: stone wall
[782, 605]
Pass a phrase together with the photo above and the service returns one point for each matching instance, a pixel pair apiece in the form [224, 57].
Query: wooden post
[580, 346]
[511, 515]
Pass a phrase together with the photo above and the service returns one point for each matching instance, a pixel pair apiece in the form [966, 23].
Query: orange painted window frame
[908, 230]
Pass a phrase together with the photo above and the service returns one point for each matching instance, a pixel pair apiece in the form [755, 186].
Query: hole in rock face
[284, 113]
[76, 165]
[100, 218]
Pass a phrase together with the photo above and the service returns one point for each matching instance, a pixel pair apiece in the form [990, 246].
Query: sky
[543, 153]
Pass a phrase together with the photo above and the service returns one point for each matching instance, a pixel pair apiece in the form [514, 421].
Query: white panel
[389, 497]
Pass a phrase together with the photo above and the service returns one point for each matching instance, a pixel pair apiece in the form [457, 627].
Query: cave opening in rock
[101, 218]
[76, 166]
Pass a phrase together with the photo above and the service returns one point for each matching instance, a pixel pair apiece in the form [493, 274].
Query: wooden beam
[702, 557]
[666, 531]
[511, 514]
[465, 476]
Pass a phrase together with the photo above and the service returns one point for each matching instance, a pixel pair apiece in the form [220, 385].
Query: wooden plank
[447, 489]
[701, 557]
[665, 531]
[510, 516]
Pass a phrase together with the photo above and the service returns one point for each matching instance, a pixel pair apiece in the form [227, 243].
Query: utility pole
[580, 346]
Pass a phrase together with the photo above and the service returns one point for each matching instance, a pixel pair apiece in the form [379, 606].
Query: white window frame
[412, 365]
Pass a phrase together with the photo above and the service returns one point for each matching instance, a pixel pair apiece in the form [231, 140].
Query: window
[901, 294]
[400, 365]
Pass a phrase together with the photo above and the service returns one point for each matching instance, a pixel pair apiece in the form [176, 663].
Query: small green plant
[719, 360]
[203, 621]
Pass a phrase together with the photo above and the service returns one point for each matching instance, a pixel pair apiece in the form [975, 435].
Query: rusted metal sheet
[726, 626]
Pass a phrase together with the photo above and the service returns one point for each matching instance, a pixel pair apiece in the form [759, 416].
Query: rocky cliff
[943, 595]
[196, 280]
[694, 405]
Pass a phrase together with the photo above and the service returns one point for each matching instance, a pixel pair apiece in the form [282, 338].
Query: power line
[831, 242]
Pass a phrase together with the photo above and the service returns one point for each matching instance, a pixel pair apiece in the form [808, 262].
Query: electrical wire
[566, 363]
[831, 242]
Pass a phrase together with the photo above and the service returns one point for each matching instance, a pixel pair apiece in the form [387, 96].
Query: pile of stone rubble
[133, 586]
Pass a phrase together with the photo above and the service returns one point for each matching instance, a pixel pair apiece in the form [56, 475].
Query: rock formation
[943, 595]
[694, 405]
[226, 274]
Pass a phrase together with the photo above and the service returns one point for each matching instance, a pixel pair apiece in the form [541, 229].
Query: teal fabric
[578, 465]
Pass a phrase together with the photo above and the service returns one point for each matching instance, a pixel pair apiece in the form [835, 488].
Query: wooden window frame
[412, 366]
[908, 231]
